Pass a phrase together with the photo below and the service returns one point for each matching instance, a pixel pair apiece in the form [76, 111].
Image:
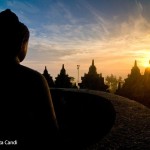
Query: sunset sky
[73, 32]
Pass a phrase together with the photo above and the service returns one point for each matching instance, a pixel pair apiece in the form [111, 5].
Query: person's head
[14, 36]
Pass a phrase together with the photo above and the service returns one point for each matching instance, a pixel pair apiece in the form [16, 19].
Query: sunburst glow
[145, 59]
[75, 32]
[145, 63]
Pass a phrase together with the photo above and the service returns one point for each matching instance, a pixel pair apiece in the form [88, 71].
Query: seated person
[27, 114]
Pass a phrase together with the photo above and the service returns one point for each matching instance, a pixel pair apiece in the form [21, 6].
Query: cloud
[24, 10]
[114, 44]
[23, 6]
[76, 41]
[139, 6]
[67, 14]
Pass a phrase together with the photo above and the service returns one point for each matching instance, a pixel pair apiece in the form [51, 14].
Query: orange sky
[114, 33]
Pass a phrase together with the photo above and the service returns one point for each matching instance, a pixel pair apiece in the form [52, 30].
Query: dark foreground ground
[131, 130]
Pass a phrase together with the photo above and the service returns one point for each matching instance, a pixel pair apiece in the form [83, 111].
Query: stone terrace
[131, 130]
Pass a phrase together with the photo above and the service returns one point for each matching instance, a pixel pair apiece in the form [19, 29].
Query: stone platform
[128, 127]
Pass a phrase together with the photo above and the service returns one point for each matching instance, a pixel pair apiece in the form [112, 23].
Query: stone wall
[130, 127]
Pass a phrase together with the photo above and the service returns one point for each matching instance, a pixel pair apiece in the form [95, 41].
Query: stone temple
[92, 80]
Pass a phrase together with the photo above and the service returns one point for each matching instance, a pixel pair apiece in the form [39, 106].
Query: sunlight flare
[146, 63]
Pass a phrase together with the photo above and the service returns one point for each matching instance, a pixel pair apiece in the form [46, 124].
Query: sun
[143, 57]
[146, 63]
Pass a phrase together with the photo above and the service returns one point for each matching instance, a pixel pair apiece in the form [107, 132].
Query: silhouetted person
[26, 109]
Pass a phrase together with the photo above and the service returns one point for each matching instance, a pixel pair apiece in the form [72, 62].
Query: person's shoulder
[32, 77]
[29, 72]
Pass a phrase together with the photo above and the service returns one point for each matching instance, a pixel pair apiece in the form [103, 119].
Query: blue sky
[73, 32]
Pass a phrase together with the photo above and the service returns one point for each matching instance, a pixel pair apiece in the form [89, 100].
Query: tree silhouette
[112, 81]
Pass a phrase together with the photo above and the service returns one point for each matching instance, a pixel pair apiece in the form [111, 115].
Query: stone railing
[84, 117]
[112, 122]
